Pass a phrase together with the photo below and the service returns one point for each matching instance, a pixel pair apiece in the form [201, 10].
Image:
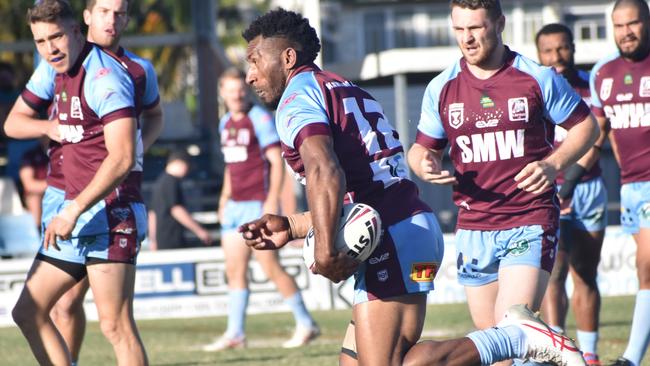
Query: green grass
[174, 342]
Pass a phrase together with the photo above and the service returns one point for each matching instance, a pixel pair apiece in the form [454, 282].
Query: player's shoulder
[259, 114]
[606, 62]
[448, 74]
[532, 68]
[101, 64]
[143, 62]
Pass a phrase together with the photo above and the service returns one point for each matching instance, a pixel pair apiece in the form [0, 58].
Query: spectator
[168, 216]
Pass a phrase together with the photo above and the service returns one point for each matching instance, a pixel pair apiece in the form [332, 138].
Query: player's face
[233, 92]
[266, 73]
[555, 50]
[630, 32]
[58, 43]
[476, 34]
[106, 21]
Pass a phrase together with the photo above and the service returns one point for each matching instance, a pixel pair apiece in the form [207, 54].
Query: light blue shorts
[238, 213]
[588, 206]
[52, 201]
[107, 231]
[406, 260]
[635, 206]
[480, 253]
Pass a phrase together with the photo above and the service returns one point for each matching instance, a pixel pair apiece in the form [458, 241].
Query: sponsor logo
[628, 115]
[71, 133]
[491, 146]
[382, 275]
[606, 88]
[628, 80]
[644, 87]
[121, 213]
[490, 123]
[486, 102]
[244, 137]
[75, 108]
[424, 271]
[628, 96]
[379, 259]
[518, 109]
[456, 112]
[102, 72]
[518, 247]
[123, 242]
[288, 100]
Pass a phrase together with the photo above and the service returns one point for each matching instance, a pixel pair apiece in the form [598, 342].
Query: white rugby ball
[358, 234]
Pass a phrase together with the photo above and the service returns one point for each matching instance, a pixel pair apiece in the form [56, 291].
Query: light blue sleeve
[41, 82]
[264, 126]
[430, 120]
[151, 93]
[595, 97]
[108, 87]
[222, 121]
[302, 104]
[560, 99]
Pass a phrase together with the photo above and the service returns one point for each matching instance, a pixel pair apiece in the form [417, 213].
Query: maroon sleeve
[33, 101]
[430, 142]
[311, 129]
[579, 114]
[128, 112]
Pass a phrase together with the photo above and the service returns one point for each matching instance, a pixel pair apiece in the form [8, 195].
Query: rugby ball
[358, 234]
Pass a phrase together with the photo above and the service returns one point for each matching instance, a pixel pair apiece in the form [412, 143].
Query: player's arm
[538, 176]
[151, 228]
[325, 186]
[119, 137]
[427, 164]
[273, 155]
[574, 173]
[23, 123]
[152, 125]
[31, 185]
[180, 214]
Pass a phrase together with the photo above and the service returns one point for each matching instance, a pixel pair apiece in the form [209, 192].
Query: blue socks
[640, 333]
[300, 313]
[498, 344]
[588, 341]
[238, 302]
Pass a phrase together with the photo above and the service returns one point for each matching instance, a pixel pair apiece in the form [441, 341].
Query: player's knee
[113, 330]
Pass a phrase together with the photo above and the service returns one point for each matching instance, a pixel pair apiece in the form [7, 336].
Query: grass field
[174, 342]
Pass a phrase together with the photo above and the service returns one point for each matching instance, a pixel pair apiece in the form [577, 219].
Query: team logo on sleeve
[606, 88]
[456, 111]
[644, 87]
[518, 109]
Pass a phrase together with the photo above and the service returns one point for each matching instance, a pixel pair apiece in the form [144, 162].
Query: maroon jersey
[317, 102]
[96, 91]
[243, 143]
[620, 91]
[496, 127]
[37, 160]
[580, 83]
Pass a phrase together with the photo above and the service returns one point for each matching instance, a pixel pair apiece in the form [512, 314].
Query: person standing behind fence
[251, 186]
[620, 87]
[168, 216]
[583, 218]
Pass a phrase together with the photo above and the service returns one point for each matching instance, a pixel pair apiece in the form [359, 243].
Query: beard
[640, 52]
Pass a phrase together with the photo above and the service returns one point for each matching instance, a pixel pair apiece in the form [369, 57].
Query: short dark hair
[288, 25]
[50, 11]
[641, 5]
[179, 154]
[90, 4]
[493, 7]
[554, 28]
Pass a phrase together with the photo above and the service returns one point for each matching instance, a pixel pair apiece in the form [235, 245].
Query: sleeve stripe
[128, 112]
[430, 142]
[311, 129]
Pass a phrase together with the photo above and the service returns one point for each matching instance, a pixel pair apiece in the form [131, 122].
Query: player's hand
[53, 130]
[336, 268]
[268, 232]
[204, 236]
[432, 173]
[61, 225]
[536, 177]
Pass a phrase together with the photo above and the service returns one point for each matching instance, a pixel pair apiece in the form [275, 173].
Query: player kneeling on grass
[336, 137]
